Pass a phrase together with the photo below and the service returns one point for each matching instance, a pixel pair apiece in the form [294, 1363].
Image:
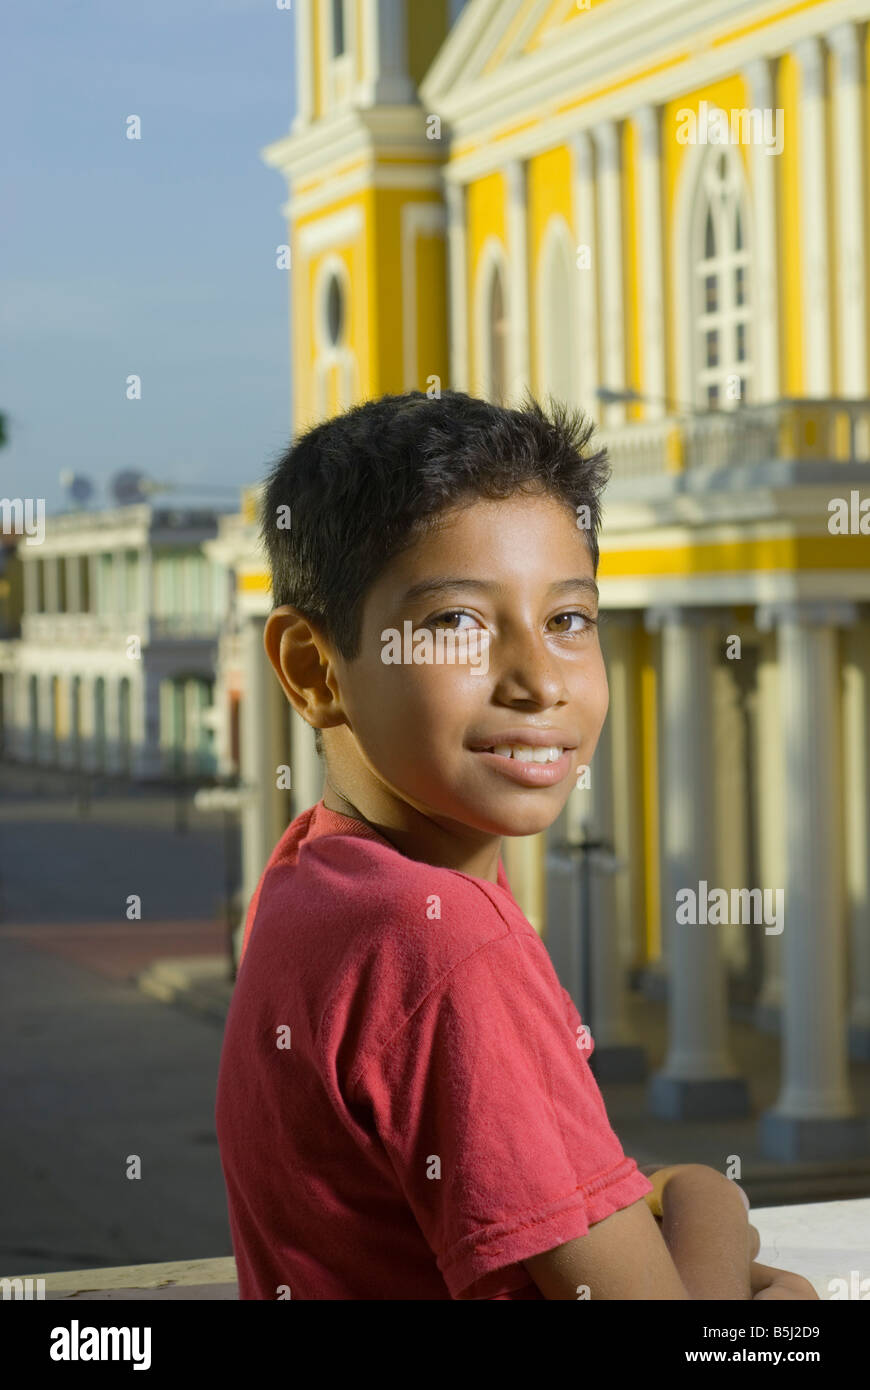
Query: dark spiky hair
[365, 485]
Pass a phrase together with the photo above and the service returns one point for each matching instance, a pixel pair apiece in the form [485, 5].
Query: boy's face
[410, 729]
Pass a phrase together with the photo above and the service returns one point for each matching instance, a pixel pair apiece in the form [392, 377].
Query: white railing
[105, 629]
[640, 450]
[794, 430]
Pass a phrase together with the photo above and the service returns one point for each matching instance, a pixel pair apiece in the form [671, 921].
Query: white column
[814, 1116]
[113, 722]
[814, 205]
[728, 772]
[458, 289]
[97, 600]
[617, 1056]
[610, 241]
[856, 773]
[264, 738]
[30, 583]
[849, 150]
[583, 184]
[45, 709]
[763, 274]
[65, 742]
[145, 603]
[621, 636]
[73, 584]
[652, 278]
[86, 716]
[699, 1078]
[146, 728]
[518, 270]
[771, 838]
[119, 582]
[52, 588]
[385, 53]
[307, 769]
[304, 64]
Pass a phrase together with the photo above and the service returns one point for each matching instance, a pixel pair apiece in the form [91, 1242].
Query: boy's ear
[302, 660]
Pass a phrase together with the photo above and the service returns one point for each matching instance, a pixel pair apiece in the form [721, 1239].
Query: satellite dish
[78, 488]
[128, 486]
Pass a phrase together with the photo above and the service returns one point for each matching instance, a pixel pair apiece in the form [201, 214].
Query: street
[92, 1071]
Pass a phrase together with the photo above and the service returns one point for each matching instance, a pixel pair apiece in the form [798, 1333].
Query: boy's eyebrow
[438, 586]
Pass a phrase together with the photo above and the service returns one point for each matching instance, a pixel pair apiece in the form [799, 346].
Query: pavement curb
[197, 984]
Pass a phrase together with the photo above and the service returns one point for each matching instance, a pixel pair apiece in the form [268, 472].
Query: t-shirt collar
[325, 821]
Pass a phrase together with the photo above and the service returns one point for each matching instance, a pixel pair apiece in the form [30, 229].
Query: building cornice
[609, 55]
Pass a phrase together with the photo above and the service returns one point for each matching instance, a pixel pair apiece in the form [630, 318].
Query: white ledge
[827, 1242]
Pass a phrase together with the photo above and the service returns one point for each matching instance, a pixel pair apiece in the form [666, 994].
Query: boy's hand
[766, 1283]
[649, 1168]
[769, 1283]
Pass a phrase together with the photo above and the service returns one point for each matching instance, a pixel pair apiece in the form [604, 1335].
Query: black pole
[584, 849]
[180, 801]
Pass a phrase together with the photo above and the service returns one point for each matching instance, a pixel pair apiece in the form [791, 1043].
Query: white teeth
[525, 753]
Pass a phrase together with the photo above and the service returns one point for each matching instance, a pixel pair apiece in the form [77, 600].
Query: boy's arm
[706, 1229]
[705, 1254]
[765, 1281]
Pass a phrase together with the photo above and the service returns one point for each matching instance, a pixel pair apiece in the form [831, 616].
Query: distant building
[114, 667]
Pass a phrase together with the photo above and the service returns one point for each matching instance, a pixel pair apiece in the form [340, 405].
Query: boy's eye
[452, 613]
[587, 621]
[460, 613]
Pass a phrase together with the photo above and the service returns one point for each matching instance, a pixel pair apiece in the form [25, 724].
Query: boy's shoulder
[375, 887]
[351, 907]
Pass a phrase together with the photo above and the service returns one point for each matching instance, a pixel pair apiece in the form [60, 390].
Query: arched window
[556, 321]
[496, 323]
[334, 310]
[721, 309]
[337, 28]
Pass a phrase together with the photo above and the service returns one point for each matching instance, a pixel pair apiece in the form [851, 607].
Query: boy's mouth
[525, 753]
[533, 757]
[529, 745]
[530, 766]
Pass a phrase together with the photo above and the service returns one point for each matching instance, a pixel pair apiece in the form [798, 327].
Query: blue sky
[154, 256]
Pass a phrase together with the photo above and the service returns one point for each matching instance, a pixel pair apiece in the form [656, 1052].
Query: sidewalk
[201, 986]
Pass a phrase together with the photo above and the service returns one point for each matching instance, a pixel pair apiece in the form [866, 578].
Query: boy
[405, 1109]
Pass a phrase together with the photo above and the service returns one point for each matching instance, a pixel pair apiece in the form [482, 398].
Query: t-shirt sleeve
[493, 1121]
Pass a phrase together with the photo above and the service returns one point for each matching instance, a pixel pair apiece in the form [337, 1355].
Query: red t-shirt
[403, 1110]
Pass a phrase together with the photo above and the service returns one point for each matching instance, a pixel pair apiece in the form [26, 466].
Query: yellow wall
[831, 221]
[631, 264]
[788, 224]
[650, 782]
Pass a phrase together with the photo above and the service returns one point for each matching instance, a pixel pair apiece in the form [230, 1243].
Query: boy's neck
[418, 837]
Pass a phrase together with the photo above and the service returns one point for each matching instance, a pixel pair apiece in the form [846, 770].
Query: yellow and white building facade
[659, 212]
